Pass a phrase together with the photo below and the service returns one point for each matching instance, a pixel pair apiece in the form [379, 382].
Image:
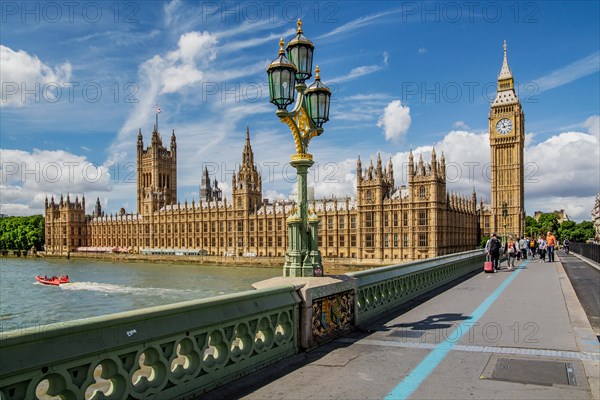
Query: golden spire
[299, 24]
[281, 44]
[317, 72]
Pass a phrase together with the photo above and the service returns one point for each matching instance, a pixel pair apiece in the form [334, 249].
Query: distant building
[383, 222]
[561, 215]
[596, 217]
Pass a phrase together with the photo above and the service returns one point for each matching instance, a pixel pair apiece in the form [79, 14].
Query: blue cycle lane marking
[413, 380]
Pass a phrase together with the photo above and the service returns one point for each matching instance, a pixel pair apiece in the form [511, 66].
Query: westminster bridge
[432, 328]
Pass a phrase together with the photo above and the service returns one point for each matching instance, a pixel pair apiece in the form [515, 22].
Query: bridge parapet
[167, 351]
[382, 289]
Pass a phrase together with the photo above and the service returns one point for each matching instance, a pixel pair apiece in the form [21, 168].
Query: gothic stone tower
[428, 203]
[247, 182]
[374, 186]
[156, 173]
[507, 141]
[65, 224]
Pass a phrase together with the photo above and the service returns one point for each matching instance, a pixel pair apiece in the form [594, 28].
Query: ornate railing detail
[172, 351]
[332, 316]
[382, 289]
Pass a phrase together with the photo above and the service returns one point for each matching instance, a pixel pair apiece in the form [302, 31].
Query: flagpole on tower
[157, 112]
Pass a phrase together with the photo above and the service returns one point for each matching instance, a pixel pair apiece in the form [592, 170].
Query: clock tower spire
[507, 143]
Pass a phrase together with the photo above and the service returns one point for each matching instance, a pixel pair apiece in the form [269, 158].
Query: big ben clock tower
[507, 142]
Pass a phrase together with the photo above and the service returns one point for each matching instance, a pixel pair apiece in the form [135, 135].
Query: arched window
[422, 192]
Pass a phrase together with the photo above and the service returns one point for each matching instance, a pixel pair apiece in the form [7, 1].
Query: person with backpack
[494, 252]
[532, 247]
[566, 245]
[523, 245]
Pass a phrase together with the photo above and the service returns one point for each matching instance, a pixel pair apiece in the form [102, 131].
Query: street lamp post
[504, 215]
[286, 77]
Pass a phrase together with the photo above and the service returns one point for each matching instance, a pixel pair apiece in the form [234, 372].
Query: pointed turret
[46, 202]
[248, 155]
[433, 163]
[173, 140]
[411, 164]
[505, 72]
[506, 84]
[378, 171]
[140, 140]
[391, 170]
[359, 176]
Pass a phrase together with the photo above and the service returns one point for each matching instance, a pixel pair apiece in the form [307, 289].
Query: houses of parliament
[382, 223]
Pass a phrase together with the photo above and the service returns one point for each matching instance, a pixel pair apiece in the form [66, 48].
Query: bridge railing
[382, 289]
[588, 250]
[164, 352]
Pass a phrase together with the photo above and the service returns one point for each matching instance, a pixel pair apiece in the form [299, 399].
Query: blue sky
[78, 83]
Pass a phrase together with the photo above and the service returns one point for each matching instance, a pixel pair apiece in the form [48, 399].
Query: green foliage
[484, 241]
[532, 227]
[548, 222]
[21, 233]
[576, 232]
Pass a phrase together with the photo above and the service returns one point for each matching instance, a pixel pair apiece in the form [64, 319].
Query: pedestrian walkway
[519, 334]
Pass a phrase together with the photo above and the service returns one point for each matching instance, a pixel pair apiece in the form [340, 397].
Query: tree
[22, 233]
[548, 222]
[532, 227]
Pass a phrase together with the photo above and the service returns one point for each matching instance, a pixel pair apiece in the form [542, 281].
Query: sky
[79, 79]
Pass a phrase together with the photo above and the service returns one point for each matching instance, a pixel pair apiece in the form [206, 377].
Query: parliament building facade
[382, 223]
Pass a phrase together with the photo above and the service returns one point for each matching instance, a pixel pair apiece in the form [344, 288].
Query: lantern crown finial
[299, 25]
[281, 44]
[317, 73]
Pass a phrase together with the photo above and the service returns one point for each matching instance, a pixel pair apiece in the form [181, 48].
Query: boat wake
[120, 289]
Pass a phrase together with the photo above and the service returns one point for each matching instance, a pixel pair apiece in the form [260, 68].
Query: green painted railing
[382, 289]
[166, 352]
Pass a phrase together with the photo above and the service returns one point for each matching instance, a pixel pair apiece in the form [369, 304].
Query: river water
[100, 287]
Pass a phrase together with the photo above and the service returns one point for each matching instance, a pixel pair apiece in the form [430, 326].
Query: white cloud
[395, 120]
[353, 25]
[21, 71]
[593, 125]
[567, 74]
[386, 57]
[422, 50]
[28, 177]
[460, 125]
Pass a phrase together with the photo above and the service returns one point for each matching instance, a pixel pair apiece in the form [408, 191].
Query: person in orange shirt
[550, 244]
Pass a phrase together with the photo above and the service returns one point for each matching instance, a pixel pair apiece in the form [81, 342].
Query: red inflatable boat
[53, 280]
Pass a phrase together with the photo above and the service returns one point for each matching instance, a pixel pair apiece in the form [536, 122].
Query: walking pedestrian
[494, 252]
[512, 253]
[550, 245]
[542, 248]
[523, 245]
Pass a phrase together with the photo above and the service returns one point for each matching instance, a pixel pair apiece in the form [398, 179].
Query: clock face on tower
[504, 126]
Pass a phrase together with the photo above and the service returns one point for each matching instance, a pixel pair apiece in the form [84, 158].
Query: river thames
[99, 287]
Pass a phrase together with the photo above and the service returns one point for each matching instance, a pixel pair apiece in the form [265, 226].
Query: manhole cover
[536, 372]
[407, 334]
